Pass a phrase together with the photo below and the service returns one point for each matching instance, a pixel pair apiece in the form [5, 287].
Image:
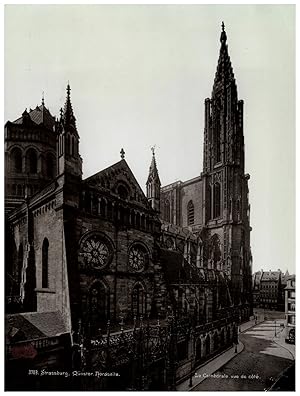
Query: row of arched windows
[19, 190]
[190, 212]
[29, 162]
[153, 190]
[69, 145]
[116, 212]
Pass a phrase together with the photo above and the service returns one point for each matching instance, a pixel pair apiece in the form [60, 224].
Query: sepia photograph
[149, 197]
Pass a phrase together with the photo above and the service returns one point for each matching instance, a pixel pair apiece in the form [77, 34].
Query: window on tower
[190, 213]
[167, 211]
[31, 159]
[217, 200]
[17, 160]
[50, 165]
[208, 202]
[217, 132]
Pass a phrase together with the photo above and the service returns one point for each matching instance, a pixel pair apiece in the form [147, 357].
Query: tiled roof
[34, 325]
[271, 275]
[40, 116]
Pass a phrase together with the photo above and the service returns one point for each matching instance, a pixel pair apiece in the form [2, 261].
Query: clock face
[95, 252]
[137, 258]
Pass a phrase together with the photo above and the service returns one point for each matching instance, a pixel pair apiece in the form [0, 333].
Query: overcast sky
[139, 76]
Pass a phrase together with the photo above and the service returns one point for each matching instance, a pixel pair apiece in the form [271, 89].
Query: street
[257, 367]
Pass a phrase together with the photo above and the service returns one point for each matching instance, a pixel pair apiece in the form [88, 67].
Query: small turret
[68, 140]
[153, 184]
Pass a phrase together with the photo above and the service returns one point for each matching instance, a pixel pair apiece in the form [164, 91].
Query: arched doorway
[98, 306]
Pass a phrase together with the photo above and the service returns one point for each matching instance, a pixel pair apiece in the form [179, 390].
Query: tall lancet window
[217, 200]
[217, 132]
[190, 213]
[45, 276]
[167, 211]
[208, 202]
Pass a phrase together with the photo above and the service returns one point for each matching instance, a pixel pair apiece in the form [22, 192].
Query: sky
[139, 76]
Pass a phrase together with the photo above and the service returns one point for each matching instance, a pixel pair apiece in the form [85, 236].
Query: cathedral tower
[153, 185]
[225, 187]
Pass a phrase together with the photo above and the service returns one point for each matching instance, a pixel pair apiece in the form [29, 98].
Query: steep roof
[39, 116]
[120, 170]
[271, 276]
[34, 325]
[153, 172]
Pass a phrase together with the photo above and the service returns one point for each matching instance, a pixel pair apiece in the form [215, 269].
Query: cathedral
[101, 276]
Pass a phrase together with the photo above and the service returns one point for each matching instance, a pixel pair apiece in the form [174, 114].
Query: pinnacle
[68, 115]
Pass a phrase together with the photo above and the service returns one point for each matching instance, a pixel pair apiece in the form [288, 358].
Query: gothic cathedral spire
[68, 140]
[223, 131]
[153, 184]
[225, 186]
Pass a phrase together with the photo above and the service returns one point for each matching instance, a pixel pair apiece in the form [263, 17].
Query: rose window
[137, 258]
[95, 252]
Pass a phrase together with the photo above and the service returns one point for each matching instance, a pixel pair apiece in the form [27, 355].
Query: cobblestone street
[258, 366]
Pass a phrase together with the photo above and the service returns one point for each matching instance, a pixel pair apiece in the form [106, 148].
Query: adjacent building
[290, 309]
[268, 289]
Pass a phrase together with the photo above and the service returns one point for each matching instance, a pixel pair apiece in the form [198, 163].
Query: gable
[119, 180]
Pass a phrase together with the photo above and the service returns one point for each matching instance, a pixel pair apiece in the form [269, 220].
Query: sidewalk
[280, 340]
[216, 363]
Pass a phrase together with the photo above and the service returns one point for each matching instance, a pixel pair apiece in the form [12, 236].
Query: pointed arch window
[190, 213]
[217, 145]
[208, 203]
[73, 146]
[68, 144]
[217, 132]
[45, 274]
[167, 211]
[217, 200]
[138, 300]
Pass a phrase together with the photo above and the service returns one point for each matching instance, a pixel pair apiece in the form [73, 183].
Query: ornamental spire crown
[153, 172]
[224, 73]
[67, 116]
